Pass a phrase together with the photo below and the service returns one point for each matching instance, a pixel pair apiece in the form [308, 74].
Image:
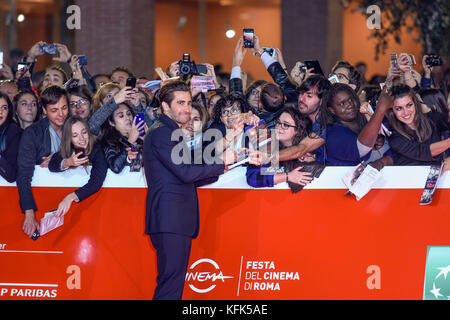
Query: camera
[189, 67]
[433, 60]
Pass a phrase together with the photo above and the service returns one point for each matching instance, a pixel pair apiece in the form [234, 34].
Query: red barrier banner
[253, 244]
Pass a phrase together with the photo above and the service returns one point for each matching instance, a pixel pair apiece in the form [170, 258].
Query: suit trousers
[172, 257]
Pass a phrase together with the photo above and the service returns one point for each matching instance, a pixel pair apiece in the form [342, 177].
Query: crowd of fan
[52, 120]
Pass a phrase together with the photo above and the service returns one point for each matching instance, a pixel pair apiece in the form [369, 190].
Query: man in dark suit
[37, 145]
[172, 214]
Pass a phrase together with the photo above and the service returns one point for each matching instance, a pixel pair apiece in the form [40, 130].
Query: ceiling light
[230, 33]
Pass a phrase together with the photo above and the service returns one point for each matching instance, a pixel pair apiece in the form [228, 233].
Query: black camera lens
[185, 69]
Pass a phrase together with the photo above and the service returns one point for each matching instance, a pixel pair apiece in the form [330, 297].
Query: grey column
[117, 33]
[311, 30]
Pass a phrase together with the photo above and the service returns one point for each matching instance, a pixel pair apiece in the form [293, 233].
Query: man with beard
[172, 214]
[311, 103]
[310, 97]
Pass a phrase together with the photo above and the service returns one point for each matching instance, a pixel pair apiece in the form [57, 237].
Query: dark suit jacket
[172, 203]
[35, 143]
[8, 157]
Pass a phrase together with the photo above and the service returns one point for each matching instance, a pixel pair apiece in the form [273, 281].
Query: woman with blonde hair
[106, 100]
[104, 94]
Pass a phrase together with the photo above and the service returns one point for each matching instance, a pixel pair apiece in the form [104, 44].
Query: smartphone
[248, 35]
[78, 150]
[20, 66]
[35, 235]
[314, 64]
[131, 82]
[270, 51]
[48, 48]
[394, 60]
[412, 60]
[139, 118]
[82, 60]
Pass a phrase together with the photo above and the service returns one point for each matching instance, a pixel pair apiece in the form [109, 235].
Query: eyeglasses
[80, 102]
[233, 111]
[254, 92]
[284, 125]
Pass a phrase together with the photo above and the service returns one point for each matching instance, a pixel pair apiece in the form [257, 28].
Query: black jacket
[34, 144]
[172, 202]
[116, 158]
[282, 79]
[8, 157]
[414, 153]
[97, 174]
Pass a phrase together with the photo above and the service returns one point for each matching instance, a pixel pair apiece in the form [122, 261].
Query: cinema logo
[264, 276]
[203, 275]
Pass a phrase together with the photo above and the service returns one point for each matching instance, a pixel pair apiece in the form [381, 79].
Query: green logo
[437, 278]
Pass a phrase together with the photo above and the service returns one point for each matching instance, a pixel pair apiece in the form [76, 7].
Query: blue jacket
[172, 202]
[342, 149]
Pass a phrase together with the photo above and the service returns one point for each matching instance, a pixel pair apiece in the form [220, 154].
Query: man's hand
[30, 223]
[258, 157]
[229, 156]
[46, 161]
